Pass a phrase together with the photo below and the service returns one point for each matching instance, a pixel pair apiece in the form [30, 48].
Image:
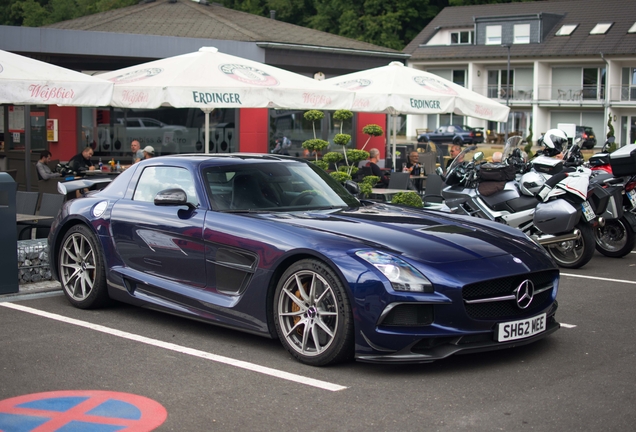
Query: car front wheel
[312, 314]
[81, 269]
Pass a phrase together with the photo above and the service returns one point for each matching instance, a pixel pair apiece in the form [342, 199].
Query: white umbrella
[209, 79]
[25, 81]
[396, 89]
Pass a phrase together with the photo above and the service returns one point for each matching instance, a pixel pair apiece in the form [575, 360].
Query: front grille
[409, 315]
[505, 287]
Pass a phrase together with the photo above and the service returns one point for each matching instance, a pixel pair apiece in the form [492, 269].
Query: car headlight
[402, 275]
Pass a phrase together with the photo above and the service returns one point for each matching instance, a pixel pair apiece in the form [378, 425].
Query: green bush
[341, 139]
[410, 199]
[340, 176]
[322, 164]
[332, 157]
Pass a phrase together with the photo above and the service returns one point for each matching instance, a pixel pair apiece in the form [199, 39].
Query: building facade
[552, 62]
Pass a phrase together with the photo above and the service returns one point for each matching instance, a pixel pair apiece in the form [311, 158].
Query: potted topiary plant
[314, 145]
[409, 198]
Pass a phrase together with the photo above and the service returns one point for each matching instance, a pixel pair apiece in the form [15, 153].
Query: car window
[151, 123]
[156, 179]
[441, 129]
[451, 129]
[274, 187]
[132, 123]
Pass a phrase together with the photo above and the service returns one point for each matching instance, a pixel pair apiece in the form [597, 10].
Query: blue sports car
[273, 245]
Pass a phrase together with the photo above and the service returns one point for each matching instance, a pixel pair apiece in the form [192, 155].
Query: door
[161, 241]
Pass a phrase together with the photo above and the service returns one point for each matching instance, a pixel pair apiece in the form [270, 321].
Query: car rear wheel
[312, 314]
[81, 269]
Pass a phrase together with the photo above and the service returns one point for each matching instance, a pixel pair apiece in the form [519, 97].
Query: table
[419, 182]
[30, 219]
[387, 194]
[31, 222]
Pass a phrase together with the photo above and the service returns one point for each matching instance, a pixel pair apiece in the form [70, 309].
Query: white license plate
[520, 329]
[632, 197]
[587, 211]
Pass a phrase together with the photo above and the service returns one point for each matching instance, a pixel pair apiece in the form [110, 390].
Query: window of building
[459, 77]
[493, 35]
[522, 33]
[632, 29]
[566, 29]
[498, 86]
[601, 28]
[461, 37]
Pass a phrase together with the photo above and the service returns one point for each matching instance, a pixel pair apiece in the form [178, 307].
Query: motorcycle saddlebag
[623, 161]
[555, 217]
[496, 172]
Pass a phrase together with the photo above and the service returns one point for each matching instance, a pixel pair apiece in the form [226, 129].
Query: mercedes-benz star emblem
[524, 293]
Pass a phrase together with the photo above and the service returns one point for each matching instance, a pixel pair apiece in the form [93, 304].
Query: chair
[429, 162]
[399, 180]
[25, 203]
[50, 205]
[433, 190]
[246, 194]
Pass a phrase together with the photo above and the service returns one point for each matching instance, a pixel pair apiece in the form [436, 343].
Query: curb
[35, 288]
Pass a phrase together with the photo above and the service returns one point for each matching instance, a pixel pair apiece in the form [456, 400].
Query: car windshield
[274, 187]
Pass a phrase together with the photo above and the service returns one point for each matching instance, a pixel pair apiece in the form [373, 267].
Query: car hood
[427, 236]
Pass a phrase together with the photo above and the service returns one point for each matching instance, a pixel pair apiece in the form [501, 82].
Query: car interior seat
[247, 194]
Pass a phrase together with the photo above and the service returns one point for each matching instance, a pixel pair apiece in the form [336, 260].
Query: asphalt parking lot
[208, 378]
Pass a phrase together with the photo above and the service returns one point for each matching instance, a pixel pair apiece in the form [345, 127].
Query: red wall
[377, 142]
[66, 146]
[253, 130]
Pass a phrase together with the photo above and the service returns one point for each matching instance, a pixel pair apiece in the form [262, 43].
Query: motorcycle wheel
[616, 239]
[574, 253]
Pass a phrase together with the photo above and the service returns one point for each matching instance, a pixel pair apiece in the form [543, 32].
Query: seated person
[44, 172]
[496, 156]
[372, 163]
[82, 161]
[454, 151]
[413, 164]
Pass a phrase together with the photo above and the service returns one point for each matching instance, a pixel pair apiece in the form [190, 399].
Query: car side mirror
[172, 197]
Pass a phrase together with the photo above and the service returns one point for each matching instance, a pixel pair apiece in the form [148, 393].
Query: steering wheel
[305, 194]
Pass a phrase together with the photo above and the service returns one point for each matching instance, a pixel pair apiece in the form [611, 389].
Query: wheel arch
[282, 266]
[57, 241]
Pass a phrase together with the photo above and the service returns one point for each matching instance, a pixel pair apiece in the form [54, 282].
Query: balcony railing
[517, 93]
[622, 93]
[572, 93]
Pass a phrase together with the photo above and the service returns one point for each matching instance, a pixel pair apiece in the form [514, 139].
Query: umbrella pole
[206, 147]
[394, 139]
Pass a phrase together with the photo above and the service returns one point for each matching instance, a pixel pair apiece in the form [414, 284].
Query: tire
[312, 314]
[81, 269]
[575, 253]
[616, 239]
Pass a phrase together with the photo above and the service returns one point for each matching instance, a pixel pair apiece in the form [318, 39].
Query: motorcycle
[617, 237]
[554, 211]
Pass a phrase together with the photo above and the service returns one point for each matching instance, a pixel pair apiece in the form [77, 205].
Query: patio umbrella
[396, 89]
[25, 81]
[209, 79]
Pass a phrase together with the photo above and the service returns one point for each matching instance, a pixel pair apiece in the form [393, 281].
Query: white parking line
[599, 278]
[567, 325]
[181, 349]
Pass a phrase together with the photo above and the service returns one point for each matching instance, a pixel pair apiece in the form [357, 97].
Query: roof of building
[187, 18]
[585, 13]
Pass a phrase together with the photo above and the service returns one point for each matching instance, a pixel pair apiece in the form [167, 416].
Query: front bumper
[427, 350]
